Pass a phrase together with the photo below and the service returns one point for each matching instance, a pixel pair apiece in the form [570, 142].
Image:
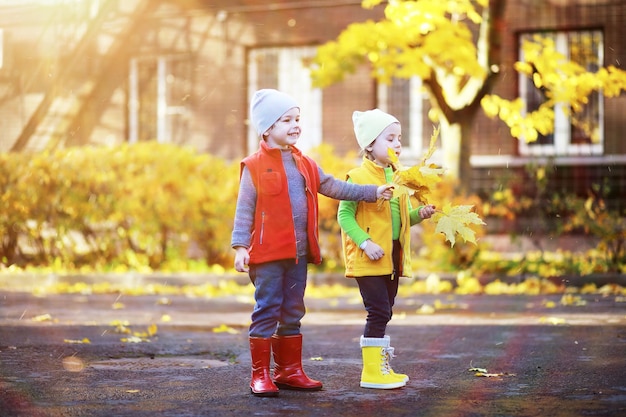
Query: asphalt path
[182, 355]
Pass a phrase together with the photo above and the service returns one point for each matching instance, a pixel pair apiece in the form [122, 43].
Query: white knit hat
[369, 124]
[267, 106]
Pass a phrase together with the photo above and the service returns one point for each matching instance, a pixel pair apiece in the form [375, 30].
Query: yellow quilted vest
[375, 219]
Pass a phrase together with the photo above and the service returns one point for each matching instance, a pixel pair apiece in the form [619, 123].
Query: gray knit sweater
[329, 186]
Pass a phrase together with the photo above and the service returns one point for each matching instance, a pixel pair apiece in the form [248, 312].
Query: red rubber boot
[288, 372]
[261, 384]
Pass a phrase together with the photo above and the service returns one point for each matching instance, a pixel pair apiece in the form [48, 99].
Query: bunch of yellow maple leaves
[451, 220]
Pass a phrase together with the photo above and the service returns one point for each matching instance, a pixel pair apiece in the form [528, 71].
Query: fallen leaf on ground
[80, 342]
[42, 317]
[572, 300]
[225, 329]
[482, 372]
[73, 364]
[552, 320]
[164, 301]
[426, 309]
[132, 339]
[492, 375]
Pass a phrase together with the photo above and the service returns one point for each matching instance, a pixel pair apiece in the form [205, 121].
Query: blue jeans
[279, 295]
[379, 295]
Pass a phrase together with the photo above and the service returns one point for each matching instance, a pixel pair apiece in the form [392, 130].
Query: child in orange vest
[275, 235]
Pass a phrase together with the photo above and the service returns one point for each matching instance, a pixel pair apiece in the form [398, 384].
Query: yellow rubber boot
[375, 372]
[390, 356]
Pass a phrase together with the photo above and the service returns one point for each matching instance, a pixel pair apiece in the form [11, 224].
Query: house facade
[591, 33]
[77, 72]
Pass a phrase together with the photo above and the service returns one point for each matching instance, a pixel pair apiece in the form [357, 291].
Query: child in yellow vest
[376, 240]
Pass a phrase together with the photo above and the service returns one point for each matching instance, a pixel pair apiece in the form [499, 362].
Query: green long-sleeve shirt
[346, 216]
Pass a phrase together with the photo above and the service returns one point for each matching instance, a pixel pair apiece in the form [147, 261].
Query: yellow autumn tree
[433, 40]
[454, 47]
[565, 85]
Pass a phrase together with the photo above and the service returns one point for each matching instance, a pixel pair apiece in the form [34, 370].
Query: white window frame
[562, 145]
[1, 48]
[294, 79]
[165, 111]
[413, 146]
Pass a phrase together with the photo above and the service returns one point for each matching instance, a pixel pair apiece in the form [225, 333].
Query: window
[407, 101]
[284, 70]
[585, 137]
[328, 114]
[1, 48]
[157, 91]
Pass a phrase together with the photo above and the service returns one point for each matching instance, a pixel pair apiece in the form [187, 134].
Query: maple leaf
[453, 220]
[419, 179]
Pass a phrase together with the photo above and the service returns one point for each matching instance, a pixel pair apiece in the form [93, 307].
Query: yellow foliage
[125, 207]
[419, 180]
[497, 287]
[412, 39]
[337, 166]
[572, 300]
[370, 4]
[467, 284]
[562, 81]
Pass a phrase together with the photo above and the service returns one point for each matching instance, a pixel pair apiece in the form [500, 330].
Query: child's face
[391, 137]
[285, 131]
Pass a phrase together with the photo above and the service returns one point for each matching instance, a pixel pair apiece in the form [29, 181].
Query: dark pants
[379, 294]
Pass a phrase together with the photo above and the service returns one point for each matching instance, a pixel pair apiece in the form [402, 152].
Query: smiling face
[286, 131]
[390, 137]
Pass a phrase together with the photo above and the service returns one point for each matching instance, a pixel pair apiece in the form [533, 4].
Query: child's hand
[373, 251]
[385, 191]
[242, 257]
[427, 211]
